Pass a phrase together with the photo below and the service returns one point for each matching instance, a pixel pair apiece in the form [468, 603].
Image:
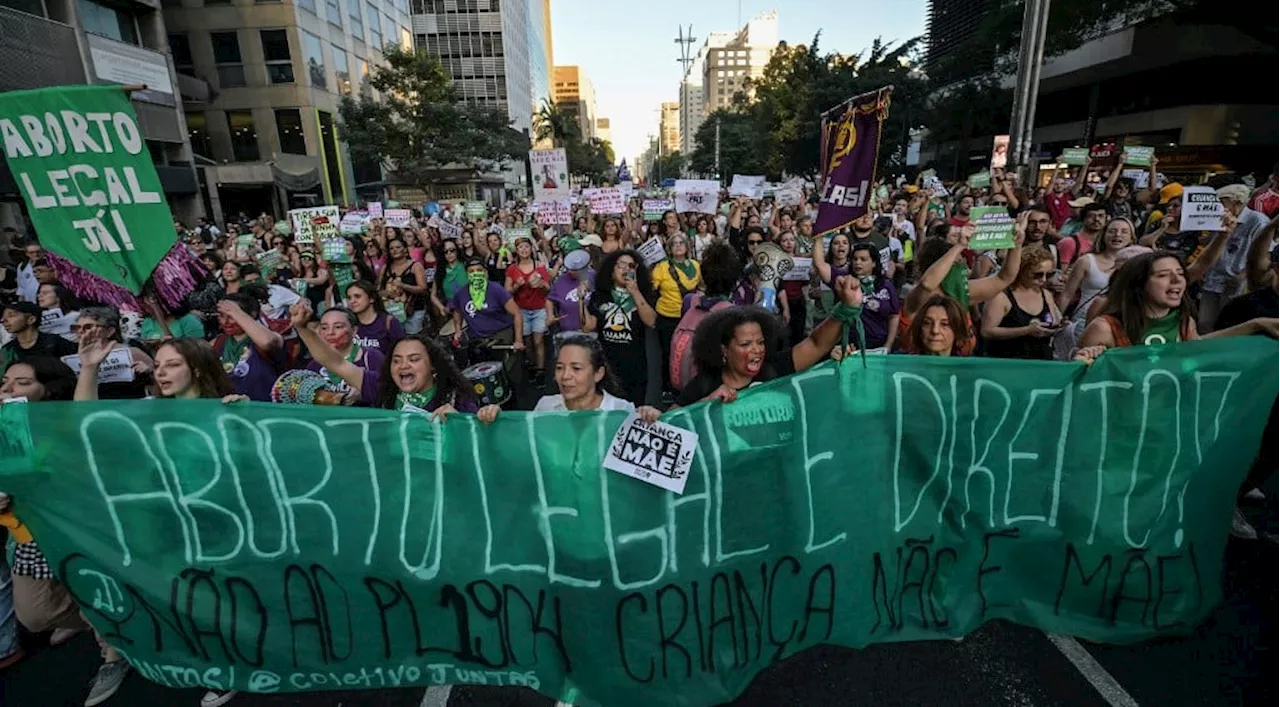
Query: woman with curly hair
[737, 347]
[621, 310]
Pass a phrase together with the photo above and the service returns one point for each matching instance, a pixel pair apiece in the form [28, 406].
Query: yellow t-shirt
[670, 299]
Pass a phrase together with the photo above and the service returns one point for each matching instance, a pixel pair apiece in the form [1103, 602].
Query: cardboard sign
[751, 187]
[790, 193]
[655, 453]
[476, 209]
[652, 251]
[550, 174]
[375, 209]
[269, 262]
[334, 250]
[354, 222]
[800, 271]
[1075, 156]
[654, 208]
[994, 228]
[608, 200]
[117, 367]
[513, 234]
[1201, 210]
[400, 218]
[979, 180]
[313, 223]
[697, 195]
[1140, 156]
[55, 321]
[999, 151]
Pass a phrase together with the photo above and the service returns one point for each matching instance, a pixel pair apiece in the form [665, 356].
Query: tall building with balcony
[726, 62]
[494, 49]
[574, 94]
[691, 115]
[267, 130]
[59, 42]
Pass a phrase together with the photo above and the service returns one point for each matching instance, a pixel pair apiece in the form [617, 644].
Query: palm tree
[551, 123]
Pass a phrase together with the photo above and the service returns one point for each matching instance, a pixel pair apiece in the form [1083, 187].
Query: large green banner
[83, 167]
[277, 548]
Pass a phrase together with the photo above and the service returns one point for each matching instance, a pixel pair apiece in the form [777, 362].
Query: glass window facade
[315, 60]
[289, 131]
[244, 136]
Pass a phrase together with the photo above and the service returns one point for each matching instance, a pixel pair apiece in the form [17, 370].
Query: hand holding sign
[651, 451]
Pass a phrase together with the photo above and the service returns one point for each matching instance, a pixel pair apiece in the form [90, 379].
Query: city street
[1229, 660]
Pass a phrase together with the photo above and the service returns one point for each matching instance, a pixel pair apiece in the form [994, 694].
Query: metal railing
[36, 52]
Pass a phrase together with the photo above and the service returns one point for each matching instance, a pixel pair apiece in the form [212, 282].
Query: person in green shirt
[161, 324]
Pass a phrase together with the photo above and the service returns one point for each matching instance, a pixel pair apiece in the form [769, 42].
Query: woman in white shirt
[583, 379]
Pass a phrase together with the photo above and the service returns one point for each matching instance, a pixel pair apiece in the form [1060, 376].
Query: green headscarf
[477, 285]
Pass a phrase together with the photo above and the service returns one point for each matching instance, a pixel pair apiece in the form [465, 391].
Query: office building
[1114, 88]
[669, 128]
[59, 42]
[603, 131]
[549, 45]
[726, 63]
[574, 94]
[691, 115]
[267, 133]
[494, 49]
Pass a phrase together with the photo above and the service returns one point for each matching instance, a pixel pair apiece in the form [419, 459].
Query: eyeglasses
[1040, 276]
[82, 328]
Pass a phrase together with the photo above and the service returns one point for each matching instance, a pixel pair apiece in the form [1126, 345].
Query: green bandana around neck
[336, 379]
[233, 352]
[868, 285]
[956, 285]
[624, 300]
[686, 266]
[418, 400]
[477, 286]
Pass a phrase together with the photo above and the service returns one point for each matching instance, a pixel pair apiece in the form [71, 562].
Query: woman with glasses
[673, 278]
[98, 331]
[451, 276]
[1021, 324]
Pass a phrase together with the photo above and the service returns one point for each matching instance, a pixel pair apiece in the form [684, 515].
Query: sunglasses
[1040, 276]
[754, 242]
[451, 250]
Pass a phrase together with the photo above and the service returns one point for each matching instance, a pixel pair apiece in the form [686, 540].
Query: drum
[490, 383]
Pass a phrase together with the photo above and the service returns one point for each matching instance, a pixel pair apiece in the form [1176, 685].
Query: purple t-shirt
[490, 319]
[255, 374]
[567, 298]
[381, 335]
[877, 308]
[370, 361]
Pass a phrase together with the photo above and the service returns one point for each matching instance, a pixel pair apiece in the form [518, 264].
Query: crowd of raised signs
[472, 311]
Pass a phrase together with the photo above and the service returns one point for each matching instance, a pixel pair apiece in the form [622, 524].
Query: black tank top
[1026, 347]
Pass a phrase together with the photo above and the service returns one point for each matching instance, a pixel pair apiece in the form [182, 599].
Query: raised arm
[324, 354]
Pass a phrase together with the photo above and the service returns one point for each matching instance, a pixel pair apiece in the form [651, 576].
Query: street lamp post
[1035, 20]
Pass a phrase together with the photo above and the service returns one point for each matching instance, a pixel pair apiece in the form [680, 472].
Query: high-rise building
[546, 34]
[603, 131]
[60, 42]
[691, 115]
[669, 127]
[539, 52]
[494, 49]
[268, 133]
[727, 63]
[573, 94]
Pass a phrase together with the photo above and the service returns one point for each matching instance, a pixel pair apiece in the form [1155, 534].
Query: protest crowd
[452, 309]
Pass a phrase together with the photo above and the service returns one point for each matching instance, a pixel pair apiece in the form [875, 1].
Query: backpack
[682, 368]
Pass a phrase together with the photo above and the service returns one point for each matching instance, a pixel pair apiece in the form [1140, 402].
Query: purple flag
[849, 160]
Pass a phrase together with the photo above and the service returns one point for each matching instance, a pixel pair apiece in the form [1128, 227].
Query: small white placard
[656, 453]
[652, 251]
[1201, 210]
[55, 321]
[117, 367]
[800, 271]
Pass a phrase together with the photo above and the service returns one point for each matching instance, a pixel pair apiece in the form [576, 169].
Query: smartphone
[631, 274]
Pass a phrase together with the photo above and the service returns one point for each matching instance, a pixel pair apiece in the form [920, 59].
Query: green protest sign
[476, 209]
[82, 165]
[297, 548]
[1140, 156]
[979, 180]
[993, 228]
[1075, 155]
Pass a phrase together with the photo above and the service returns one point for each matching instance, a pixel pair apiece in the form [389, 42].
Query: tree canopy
[773, 128]
[591, 159]
[419, 124]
